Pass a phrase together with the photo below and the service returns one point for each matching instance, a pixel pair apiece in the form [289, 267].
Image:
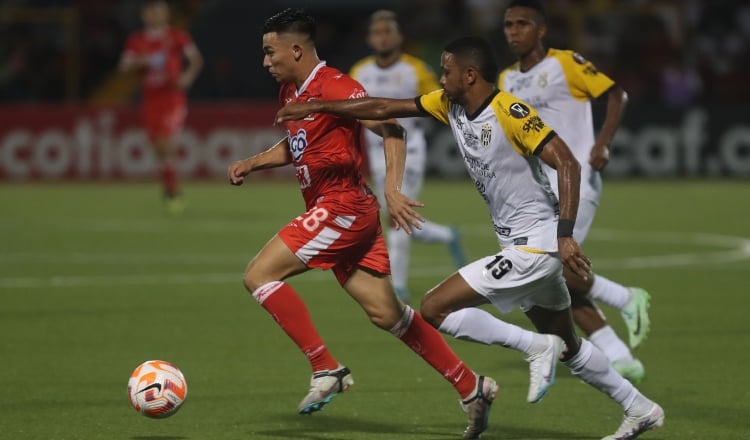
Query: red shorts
[323, 239]
[164, 118]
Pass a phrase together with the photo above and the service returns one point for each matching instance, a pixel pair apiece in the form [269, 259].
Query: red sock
[427, 342]
[169, 179]
[287, 308]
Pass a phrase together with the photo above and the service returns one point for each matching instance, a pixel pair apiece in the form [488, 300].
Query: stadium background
[67, 114]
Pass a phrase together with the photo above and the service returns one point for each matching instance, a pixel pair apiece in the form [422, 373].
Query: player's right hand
[237, 172]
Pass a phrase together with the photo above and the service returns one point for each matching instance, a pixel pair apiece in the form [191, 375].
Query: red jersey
[164, 50]
[325, 148]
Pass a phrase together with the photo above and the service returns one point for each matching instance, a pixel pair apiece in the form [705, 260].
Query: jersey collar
[484, 105]
[309, 79]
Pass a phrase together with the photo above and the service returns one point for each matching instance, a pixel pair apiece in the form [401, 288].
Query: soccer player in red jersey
[341, 229]
[158, 53]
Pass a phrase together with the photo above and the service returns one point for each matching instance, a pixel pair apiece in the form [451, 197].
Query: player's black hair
[536, 5]
[475, 52]
[291, 20]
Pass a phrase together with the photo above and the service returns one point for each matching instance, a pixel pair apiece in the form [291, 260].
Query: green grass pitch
[95, 280]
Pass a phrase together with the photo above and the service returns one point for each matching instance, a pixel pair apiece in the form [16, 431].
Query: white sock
[607, 341]
[610, 293]
[433, 232]
[592, 366]
[477, 325]
[399, 244]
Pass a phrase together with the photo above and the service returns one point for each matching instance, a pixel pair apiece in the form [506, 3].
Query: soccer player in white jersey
[390, 73]
[504, 143]
[560, 84]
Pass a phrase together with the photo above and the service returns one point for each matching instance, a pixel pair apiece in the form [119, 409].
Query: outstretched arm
[362, 108]
[399, 205]
[617, 100]
[557, 155]
[276, 156]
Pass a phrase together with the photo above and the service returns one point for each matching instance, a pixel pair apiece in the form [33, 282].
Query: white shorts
[515, 278]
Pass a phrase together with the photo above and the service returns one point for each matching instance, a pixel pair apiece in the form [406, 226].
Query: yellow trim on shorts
[526, 249]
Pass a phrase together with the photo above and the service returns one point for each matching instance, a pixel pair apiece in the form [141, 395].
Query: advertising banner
[93, 143]
[89, 143]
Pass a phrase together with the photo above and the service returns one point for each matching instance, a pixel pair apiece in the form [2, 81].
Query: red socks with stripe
[288, 310]
[428, 343]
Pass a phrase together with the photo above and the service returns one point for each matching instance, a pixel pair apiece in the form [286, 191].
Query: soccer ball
[157, 389]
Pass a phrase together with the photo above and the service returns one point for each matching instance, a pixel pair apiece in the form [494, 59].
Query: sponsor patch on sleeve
[518, 110]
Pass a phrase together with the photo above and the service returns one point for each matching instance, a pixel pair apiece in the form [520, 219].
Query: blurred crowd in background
[675, 53]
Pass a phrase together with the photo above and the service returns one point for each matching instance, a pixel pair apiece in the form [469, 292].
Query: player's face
[522, 30]
[384, 37]
[452, 78]
[155, 14]
[279, 56]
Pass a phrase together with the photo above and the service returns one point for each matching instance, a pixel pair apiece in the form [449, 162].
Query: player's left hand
[572, 256]
[294, 111]
[402, 211]
[599, 157]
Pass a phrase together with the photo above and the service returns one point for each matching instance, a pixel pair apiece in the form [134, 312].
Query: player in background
[390, 73]
[561, 85]
[168, 62]
[341, 229]
[504, 142]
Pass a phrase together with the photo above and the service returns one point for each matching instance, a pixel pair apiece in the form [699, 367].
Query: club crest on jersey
[519, 111]
[486, 135]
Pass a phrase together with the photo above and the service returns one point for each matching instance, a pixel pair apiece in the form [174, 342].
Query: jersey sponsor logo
[480, 169]
[297, 143]
[471, 140]
[303, 176]
[486, 135]
[534, 123]
[519, 111]
[358, 93]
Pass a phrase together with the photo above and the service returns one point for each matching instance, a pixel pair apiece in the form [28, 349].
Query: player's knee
[383, 318]
[249, 282]
[431, 312]
[252, 278]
